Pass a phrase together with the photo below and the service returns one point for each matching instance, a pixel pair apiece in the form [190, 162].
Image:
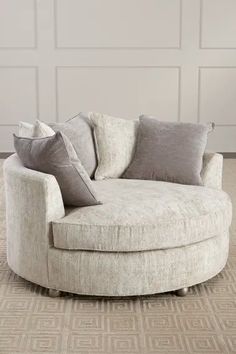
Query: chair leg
[181, 292]
[54, 293]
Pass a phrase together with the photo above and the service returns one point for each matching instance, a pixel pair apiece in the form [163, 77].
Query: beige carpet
[203, 322]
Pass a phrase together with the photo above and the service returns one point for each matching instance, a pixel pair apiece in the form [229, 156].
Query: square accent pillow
[166, 151]
[115, 142]
[26, 129]
[42, 130]
[79, 131]
[37, 130]
[55, 155]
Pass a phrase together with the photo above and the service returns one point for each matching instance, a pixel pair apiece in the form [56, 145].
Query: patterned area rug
[202, 322]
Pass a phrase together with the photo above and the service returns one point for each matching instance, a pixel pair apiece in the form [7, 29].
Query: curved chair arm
[33, 200]
[212, 170]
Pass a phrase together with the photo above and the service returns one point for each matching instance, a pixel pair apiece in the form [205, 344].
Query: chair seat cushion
[139, 215]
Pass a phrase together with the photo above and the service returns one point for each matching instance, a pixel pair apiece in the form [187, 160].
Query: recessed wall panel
[122, 91]
[121, 57]
[218, 24]
[17, 24]
[217, 101]
[118, 23]
[18, 94]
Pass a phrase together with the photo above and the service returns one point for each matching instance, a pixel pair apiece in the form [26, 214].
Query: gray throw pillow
[166, 151]
[55, 155]
[79, 131]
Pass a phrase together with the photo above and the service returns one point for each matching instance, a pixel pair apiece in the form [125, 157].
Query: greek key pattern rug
[202, 322]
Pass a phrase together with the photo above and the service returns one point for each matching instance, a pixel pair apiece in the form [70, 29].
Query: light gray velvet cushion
[167, 151]
[55, 155]
[144, 215]
[80, 133]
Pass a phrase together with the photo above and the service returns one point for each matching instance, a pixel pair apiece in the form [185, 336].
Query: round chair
[147, 237]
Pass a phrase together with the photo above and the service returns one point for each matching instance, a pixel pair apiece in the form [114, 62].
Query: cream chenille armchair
[147, 237]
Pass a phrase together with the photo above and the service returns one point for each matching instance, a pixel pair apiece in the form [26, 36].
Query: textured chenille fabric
[137, 273]
[55, 155]
[115, 143]
[168, 151]
[212, 169]
[80, 133]
[33, 202]
[139, 215]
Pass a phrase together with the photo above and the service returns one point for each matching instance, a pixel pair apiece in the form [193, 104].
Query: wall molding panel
[216, 83]
[18, 19]
[175, 59]
[217, 24]
[104, 18]
[126, 83]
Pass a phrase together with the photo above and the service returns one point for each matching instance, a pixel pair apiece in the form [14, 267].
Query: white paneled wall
[175, 59]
